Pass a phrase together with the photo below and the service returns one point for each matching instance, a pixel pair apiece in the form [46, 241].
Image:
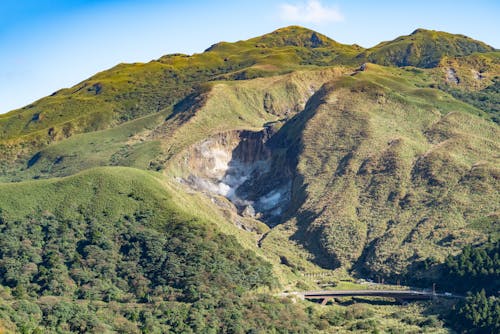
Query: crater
[240, 166]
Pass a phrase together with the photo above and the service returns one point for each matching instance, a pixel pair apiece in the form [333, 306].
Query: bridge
[398, 295]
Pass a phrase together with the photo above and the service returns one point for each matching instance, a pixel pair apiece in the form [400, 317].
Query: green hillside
[473, 79]
[120, 238]
[410, 168]
[187, 194]
[424, 48]
[128, 91]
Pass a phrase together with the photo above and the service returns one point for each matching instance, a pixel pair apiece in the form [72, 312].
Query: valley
[193, 193]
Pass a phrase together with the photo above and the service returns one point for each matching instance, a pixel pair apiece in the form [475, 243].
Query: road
[399, 295]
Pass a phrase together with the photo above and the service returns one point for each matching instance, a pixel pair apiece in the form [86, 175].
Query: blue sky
[51, 44]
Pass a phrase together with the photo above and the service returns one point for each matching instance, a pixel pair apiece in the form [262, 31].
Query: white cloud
[311, 12]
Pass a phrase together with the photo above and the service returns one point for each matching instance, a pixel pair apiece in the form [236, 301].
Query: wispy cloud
[312, 11]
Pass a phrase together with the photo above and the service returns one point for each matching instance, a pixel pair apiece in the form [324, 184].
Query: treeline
[133, 275]
[478, 314]
[476, 268]
[128, 260]
[475, 271]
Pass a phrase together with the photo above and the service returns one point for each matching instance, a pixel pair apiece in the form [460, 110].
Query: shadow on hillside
[310, 239]
[289, 140]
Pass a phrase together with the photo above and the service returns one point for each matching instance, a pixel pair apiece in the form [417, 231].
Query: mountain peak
[436, 34]
[287, 36]
[294, 36]
[424, 48]
[420, 31]
[292, 29]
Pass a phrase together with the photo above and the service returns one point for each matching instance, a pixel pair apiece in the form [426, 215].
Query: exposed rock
[96, 88]
[268, 103]
[451, 76]
[477, 75]
[249, 211]
[239, 166]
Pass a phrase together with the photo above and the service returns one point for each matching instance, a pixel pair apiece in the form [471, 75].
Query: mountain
[187, 193]
[473, 79]
[129, 91]
[424, 48]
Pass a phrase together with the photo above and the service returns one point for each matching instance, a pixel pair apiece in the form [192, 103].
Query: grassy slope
[108, 194]
[128, 91]
[149, 141]
[241, 105]
[373, 108]
[474, 80]
[474, 72]
[229, 106]
[395, 176]
[115, 146]
[400, 168]
[423, 48]
[104, 199]
[105, 192]
[101, 191]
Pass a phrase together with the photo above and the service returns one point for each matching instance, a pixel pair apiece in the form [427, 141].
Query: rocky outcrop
[241, 167]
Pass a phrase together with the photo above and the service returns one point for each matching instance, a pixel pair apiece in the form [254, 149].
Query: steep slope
[423, 48]
[473, 79]
[394, 177]
[121, 239]
[150, 141]
[373, 161]
[474, 72]
[128, 91]
[367, 156]
[272, 163]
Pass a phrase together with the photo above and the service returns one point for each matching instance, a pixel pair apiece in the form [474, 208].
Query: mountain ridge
[424, 48]
[210, 183]
[110, 87]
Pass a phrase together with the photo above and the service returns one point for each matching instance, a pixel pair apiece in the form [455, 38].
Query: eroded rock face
[241, 167]
[451, 76]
